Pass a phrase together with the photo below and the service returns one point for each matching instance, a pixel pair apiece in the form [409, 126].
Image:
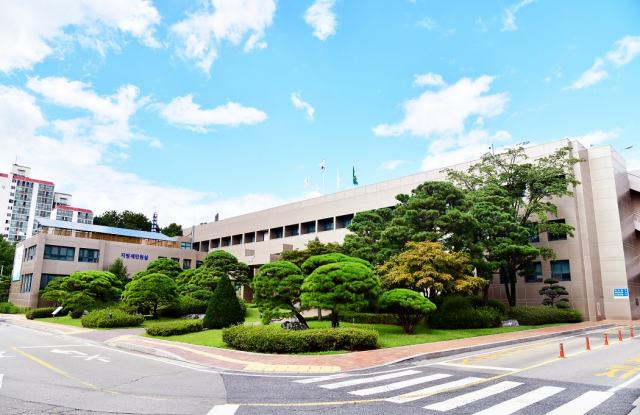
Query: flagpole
[323, 169]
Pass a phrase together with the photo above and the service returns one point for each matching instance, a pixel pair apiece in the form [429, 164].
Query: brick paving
[237, 360]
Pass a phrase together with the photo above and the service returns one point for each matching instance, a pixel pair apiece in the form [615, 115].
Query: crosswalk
[415, 385]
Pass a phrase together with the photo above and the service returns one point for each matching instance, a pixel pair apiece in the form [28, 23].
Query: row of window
[560, 270]
[64, 253]
[550, 236]
[186, 263]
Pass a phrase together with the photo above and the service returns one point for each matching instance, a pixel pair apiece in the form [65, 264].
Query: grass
[76, 322]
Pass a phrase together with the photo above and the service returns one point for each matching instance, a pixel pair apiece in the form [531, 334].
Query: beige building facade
[59, 249]
[600, 266]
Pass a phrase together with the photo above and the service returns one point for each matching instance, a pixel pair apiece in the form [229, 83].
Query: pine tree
[224, 308]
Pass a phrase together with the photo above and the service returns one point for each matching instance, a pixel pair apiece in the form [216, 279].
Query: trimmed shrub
[471, 318]
[173, 328]
[224, 309]
[8, 308]
[273, 339]
[408, 306]
[40, 312]
[243, 305]
[455, 303]
[364, 318]
[77, 312]
[187, 305]
[537, 315]
[476, 302]
[100, 319]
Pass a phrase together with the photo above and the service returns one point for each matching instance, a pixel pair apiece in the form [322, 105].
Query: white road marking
[582, 404]
[423, 393]
[625, 384]
[67, 352]
[96, 357]
[1, 376]
[2, 354]
[320, 379]
[223, 410]
[522, 401]
[509, 369]
[399, 385]
[369, 380]
[57, 345]
[468, 398]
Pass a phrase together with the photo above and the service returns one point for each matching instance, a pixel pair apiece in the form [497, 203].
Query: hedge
[366, 318]
[273, 339]
[173, 328]
[100, 319]
[188, 305]
[77, 313]
[8, 308]
[476, 302]
[40, 312]
[537, 315]
[478, 318]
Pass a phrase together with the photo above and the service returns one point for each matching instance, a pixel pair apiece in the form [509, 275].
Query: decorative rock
[192, 317]
[510, 323]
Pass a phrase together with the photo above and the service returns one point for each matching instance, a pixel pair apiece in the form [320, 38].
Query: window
[176, 260]
[88, 255]
[560, 270]
[59, 253]
[185, 245]
[295, 231]
[328, 226]
[45, 279]
[186, 263]
[25, 285]
[536, 273]
[560, 236]
[31, 252]
[199, 264]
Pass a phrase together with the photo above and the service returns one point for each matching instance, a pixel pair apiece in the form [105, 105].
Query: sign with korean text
[134, 256]
[621, 293]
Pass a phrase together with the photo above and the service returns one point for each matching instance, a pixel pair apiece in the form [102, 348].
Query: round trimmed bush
[100, 319]
[40, 312]
[8, 308]
[174, 328]
[408, 306]
[455, 303]
[273, 339]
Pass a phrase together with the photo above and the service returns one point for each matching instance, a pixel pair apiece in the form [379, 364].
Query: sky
[193, 108]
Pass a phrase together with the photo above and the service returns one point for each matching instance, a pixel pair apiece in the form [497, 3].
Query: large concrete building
[599, 266]
[63, 247]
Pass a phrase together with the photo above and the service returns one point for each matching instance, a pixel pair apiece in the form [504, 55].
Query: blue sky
[199, 107]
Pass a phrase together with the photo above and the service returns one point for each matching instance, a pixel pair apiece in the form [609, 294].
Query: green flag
[355, 179]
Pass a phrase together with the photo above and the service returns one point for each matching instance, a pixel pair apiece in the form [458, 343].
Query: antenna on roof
[154, 224]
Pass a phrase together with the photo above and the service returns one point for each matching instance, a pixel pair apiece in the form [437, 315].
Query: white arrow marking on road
[3, 352]
[67, 352]
[223, 410]
[1, 376]
[97, 357]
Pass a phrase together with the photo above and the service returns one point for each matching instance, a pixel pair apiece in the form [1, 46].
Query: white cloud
[86, 169]
[624, 51]
[429, 79]
[108, 122]
[509, 22]
[547, 79]
[450, 32]
[185, 113]
[201, 33]
[321, 18]
[32, 30]
[428, 23]
[392, 165]
[444, 112]
[596, 137]
[295, 98]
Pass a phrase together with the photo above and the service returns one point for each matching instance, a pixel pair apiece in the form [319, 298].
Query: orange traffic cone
[620, 335]
[588, 348]
[606, 340]
[631, 332]
[561, 352]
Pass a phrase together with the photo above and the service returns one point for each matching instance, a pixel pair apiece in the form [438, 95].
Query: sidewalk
[237, 360]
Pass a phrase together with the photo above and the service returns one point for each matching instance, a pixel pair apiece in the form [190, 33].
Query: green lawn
[76, 322]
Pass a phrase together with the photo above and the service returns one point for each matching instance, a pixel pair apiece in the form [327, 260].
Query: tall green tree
[339, 287]
[528, 193]
[125, 220]
[173, 229]
[317, 261]
[120, 270]
[224, 308]
[364, 241]
[200, 283]
[228, 264]
[7, 253]
[313, 248]
[276, 291]
[83, 289]
[165, 266]
[152, 291]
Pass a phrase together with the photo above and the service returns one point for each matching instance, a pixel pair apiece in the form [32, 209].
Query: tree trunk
[485, 295]
[510, 296]
[319, 314]
[334, 319]
[432, 295]
[300, 318]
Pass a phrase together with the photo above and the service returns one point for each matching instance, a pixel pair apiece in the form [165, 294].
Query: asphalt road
[42, 373]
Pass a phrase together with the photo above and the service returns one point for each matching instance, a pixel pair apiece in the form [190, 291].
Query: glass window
[185, 245]
[560, 270]
[59, 253]
[45, 279]
[252, 237]
[88, 255]
[186, 263]
[31, 252]
[536, 273]
[295, 231]
[557, 237]
[25, 285]
[176, 260]
[311, 228]
[328, 226]
[347, 222]
[199, 264]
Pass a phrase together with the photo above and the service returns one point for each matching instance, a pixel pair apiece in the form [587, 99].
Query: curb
[416, 358]
[34, 327]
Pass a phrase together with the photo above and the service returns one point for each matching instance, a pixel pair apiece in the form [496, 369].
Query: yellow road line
[92, 386]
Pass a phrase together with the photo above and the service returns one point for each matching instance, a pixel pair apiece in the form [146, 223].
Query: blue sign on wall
[620, 293]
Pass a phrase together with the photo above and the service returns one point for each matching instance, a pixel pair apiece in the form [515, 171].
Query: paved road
[43, 373]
